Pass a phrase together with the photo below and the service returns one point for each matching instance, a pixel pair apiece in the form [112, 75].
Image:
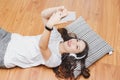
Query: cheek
[67, 47]
[71, 49]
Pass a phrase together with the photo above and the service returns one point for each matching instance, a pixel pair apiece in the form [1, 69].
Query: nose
[73, 43]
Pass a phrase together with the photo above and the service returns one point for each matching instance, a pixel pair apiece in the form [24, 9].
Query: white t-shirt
[23, 51]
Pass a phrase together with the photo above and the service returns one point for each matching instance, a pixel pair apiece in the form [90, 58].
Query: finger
[57, 15]
[61, 8]
[64, 13]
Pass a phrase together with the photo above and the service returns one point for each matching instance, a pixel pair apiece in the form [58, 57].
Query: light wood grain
[23, 16]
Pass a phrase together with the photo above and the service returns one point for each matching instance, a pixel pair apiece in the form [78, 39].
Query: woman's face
[74, 45]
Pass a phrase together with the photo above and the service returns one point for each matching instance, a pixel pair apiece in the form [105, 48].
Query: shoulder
[53, 61]
[55, 58]
[55, 35]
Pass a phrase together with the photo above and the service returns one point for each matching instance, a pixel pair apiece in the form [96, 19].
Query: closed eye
[77, 47]
[77, 40]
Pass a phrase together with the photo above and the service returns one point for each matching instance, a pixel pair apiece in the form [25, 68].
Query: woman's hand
[47, 13]
[56, 17]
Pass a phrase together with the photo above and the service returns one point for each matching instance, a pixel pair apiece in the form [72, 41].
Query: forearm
[43, 44]
[44, 40]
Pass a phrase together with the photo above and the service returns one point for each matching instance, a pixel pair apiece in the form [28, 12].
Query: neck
[61, 48]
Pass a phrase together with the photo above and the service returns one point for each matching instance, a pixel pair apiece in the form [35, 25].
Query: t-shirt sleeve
[53, 61]
[55, 35]
[55, 58]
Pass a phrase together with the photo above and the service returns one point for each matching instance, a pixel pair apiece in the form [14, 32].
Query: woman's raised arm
[44, 40]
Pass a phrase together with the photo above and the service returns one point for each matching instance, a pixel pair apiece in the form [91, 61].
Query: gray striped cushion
[98, 47]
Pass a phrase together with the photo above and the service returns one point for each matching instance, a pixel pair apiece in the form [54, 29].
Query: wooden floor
[23, 16]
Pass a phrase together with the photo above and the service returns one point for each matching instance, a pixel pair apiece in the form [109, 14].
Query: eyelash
[77, 45]
[77, 40]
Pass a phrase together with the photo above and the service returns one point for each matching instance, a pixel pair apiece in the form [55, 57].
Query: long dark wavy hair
[66, 69]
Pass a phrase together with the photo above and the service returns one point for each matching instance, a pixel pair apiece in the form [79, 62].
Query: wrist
[48, 28]
[49, 25]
